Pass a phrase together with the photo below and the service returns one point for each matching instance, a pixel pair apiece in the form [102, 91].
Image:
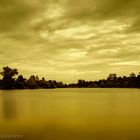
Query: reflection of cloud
[56, 38]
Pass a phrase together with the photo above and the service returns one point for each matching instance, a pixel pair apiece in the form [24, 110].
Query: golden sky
[70, 39]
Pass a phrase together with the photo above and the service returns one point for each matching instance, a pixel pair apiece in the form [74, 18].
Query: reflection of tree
[9, 106]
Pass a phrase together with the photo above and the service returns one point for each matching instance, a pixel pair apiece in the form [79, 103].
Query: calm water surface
[71, 114]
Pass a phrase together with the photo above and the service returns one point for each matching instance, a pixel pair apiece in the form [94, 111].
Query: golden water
[70, 114]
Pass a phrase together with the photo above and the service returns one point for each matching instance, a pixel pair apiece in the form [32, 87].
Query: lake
[70, 114]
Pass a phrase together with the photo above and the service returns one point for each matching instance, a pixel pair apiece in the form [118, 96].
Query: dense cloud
[15, 13]
[83, 38]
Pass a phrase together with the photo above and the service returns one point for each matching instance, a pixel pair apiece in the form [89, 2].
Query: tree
[8, 71]
[138, 80]
[8, 74]
[112, 77]
[81, 83]
[31, 82]
[21, 82]
[132, 75]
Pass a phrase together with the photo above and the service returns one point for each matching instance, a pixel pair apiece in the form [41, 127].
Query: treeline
[112, 81]
[9, 81]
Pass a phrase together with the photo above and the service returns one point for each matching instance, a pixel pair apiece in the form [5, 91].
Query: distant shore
[34, 82]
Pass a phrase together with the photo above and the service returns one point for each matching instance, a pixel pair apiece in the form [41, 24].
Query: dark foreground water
[70, 114]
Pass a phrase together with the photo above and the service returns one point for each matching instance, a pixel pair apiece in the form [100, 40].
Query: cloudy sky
[70, 39]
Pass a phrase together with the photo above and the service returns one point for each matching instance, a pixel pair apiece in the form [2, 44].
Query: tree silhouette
[21, 82]
[34, 82]
[8, 74]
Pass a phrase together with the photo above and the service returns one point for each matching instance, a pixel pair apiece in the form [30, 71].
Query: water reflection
[9, 106]
[72, 114]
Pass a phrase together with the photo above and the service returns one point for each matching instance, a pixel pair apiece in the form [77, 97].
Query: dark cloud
[15, 13]
[100, 10]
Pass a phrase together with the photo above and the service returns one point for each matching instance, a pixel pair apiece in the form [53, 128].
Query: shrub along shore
[9, 81]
